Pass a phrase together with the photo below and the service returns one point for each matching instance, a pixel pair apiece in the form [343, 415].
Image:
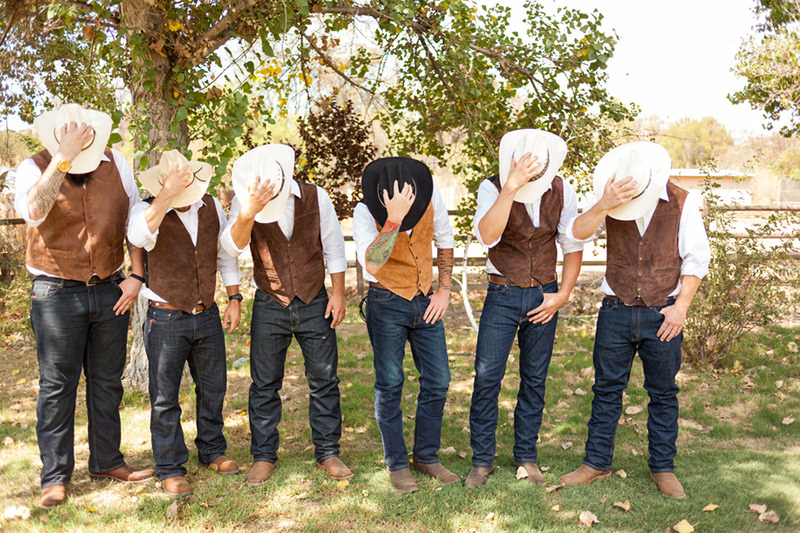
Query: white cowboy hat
[152, 178]
[548, 147]
[648, 163]
[270, 162]
[48, 128]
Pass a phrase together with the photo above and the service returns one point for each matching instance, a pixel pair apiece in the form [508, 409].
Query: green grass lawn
[734, 449]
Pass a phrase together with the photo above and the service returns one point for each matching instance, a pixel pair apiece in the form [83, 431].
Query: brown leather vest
[285, 268]
[179, 271]
[649, 265]
[84, 232]
[526, 252]
[410, 266]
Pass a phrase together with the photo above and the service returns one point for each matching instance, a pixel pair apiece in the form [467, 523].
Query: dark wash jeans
[504, 315]
[75, 328]
[270, 335]
[391, 321]
[171, 338]
[621, 332]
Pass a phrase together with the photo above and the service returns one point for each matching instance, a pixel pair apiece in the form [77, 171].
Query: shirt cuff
[337, 265]
[228, 245]
[230, 278]
[694, 271]
[571, 247]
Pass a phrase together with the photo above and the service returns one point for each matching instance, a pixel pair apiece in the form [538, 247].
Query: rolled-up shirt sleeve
[569, 212]
[442, 230]
[330, 234]
[227, 263]
[225, 239]
[26, 177]
[139, 233]
[487, 196]
[364, 232]
[693, 245]
[568, 233]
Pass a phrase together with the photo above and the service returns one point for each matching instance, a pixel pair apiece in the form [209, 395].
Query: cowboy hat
[48, 127]
[381, 174]
[548, 147]
[152, 179]
[648, 163]
[270, 162]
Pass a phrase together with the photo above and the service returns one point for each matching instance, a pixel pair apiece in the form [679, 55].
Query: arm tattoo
[42, 195]
[444, 261]
[379, 251]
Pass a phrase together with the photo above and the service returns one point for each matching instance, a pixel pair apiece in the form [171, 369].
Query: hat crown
[171, 160]
[533, 144]
[71, 113]
[633, 164]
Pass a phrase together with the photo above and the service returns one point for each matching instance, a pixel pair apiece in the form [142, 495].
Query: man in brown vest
[293, 234]
[657, 253]
[401, 215]
[521, 214]
[180, 229]
[76, 196]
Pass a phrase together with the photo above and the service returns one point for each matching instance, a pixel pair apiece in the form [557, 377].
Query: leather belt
[378, 285]
[94, 280]
[638, 302]
[199, 308]
[501, 280]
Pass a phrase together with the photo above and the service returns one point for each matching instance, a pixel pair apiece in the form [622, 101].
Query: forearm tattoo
[444, 261]
[380, 250]
[43, 194]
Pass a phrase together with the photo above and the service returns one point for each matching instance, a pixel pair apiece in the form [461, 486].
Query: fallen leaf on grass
[580, 392]
[710, 507]
[587, 518]
[759, 508]
[554, 488]
[625, 506]
[301, 496]
[621, 473]
[788, 420]
[770, 516]
[566, 445]
[448, 450]
[779, 384]
[555, 508]
[792, 347]
[683, 527]
[490, 516]
[91, 509]
[437, 489]
[341, 485]
[14, 372]
[602, 500]
[521, 472]
[21, 381]
[463, 455]
[633, 410]
[139, 490]
[172, 511]
[16, 512]
[544, 468]
[242, 412]
[8, 441]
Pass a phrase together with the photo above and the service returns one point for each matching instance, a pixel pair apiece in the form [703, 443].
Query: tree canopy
[442, 78]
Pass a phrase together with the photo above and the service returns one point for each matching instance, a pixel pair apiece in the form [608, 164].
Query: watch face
[64, 166]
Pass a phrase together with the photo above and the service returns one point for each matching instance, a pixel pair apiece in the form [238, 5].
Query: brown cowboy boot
[53, 496]
[223, 465]
[584, 475]
[125, 473]
[534, 474]
[335, 468]
[437, 471]
[668, 485]
[260, 473]
[403, 481]
[478, 476]
[177, 487]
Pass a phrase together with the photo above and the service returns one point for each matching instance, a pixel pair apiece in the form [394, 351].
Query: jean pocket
[497, 288]
[608, 305]
[381, 295]
[44, 289]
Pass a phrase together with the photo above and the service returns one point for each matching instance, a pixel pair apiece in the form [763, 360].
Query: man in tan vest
[657, 253]
[400, 217]
[293, 234]
[521, 215]
[76, 196]
[180, 229]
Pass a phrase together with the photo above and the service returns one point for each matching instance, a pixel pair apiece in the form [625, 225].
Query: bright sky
[673, 58]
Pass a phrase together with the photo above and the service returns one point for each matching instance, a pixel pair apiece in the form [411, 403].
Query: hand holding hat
[78, 134]
[262, 180]
[74, 138]
[398, 206]
[187, 181]
[388, 184]
[534, 157]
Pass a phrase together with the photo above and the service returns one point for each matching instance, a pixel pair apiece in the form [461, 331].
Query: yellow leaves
[176, 94]
[91, 509]
[758, 507]
[15, 372]
[554, 488]
[21, 381]
[763, 514]
[625, 506]
[737, 367]
[587, 518]
[343, 484]
[555, 508]
[139, 490]
[174, 25]
[243, 412]
[621, 473]
[710, 507]
[683, 527]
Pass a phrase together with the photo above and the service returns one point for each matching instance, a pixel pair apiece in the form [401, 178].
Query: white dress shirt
[365, 229]
[487, 196]
[28, 174]
[693, 245]
[140, 235]
[329, 231]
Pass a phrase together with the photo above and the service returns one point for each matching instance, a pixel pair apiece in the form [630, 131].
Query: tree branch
[216, 36]
[325, 59]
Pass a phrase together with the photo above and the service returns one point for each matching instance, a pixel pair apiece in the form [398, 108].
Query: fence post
[359, 280]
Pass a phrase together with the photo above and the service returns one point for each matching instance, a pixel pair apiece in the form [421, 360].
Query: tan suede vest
[524, 251]
[410, 266]
[84, 232]
[285, 268]
[182, 273]
[646, 266]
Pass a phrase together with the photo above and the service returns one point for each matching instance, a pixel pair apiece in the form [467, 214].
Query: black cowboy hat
[380, 176]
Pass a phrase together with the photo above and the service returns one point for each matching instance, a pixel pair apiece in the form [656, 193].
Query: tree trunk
[136, 372]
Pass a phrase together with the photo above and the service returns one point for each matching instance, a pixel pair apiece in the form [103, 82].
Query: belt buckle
[94, 280]
[197, 310]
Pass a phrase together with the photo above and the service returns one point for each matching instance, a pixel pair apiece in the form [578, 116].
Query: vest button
[641, 243]
[640, 258]
[292, 260]
[640, 274]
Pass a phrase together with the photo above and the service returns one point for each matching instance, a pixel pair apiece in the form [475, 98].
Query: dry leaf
[8, 441]
[448, 450]
[172, 511]
[602, 500]
[242, 412]
[16, 512]
[437, 489]
[633, 410]
[625, 506]
[683, 527]
[91, 509]
[463, 455]
[490, 516]
[544, 468]
[580, 392]
[21, 381]
[14, 372]
[341, 485]
[758, 507]
[779, 384]
[554, 488]
[139, 490]
[792, 347]
[301, 496]
[566, 445]
[788, 420]
[521, 472]
[587, 518]
[711, 507]
[555, 508]
[770, 516]
[621, 473]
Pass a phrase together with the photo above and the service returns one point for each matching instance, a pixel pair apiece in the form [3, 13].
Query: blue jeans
[391, 321]
[504, 315]
[621, 332]
[270, 335]
[171, 338]
[76, 328]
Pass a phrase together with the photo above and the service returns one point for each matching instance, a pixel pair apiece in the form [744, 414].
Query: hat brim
[253, 164]
[151, 180]
[659, 162]
[557, 148]
[381, 174]
[48, 128]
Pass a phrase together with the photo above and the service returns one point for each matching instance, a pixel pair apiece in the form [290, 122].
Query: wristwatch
[237, 297]
[64, 166]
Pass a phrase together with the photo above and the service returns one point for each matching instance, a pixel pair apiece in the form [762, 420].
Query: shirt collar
[104, 157]
[192, 208]
[296, 189]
